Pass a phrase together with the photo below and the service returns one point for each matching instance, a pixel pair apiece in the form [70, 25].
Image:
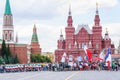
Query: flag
[108, 55]
[97, 58]
[85, 58]
[79, 58]
[70, 58]
[102, 54]
[88, 52]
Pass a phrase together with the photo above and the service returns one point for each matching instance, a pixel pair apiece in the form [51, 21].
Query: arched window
[69, 45]
[87, 44]
[79, 46]
[97, 45]
[10, 37]
[5, 36]
[83, 44]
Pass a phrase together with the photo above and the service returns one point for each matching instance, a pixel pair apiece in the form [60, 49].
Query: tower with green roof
[8, 29]
[34, 36]
[35, 47]
[7, 7]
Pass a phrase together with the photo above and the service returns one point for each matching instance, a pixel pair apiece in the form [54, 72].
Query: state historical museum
[75, 39]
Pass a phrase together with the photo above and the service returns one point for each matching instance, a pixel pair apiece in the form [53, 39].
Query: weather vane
[107, 30]
[97, 5]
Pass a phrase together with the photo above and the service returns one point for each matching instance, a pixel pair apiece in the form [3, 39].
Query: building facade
[22, 51]
[76, 39]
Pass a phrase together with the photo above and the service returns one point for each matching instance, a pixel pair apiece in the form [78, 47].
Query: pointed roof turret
[106, 31]
[34, 29]
[7, 7]
[106, 35]
[69, 9]
[61, 36]
[69, 21]
[35, 47]
[97, 19]
[34, 36]
[96, 8]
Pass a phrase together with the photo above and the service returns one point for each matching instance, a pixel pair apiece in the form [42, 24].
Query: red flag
[88, 53]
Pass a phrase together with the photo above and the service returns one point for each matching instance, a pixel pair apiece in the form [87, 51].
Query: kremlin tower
[35, 47]
[8, 29]
[17, 49]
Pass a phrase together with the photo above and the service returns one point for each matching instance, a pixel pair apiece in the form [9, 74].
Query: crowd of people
[66, 66]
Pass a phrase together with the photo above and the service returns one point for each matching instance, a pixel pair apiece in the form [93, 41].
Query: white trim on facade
[8, 28]
[83, 26]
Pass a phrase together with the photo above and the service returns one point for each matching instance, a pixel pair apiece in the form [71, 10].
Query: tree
[10, 60]
[7, 56]
[8, 52]
[48, 59]
[2, 60]
[3, 49]
[16, 60]
[39, 58]
[5, 59]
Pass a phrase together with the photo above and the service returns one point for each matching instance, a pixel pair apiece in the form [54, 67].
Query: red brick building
[22, 51]
[75, 39]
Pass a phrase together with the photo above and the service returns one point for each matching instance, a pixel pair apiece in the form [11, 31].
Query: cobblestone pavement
[65, 75]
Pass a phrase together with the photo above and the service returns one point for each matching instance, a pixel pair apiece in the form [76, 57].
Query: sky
[50, 17]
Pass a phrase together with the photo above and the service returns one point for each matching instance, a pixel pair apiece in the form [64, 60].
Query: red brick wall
[35, 48]
[21, 52]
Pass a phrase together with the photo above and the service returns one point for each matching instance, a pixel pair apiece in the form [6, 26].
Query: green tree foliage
[8, 51]
[7, 56]
[16, 60]
[2, 60]
[39, 58]
[5, 59]
[48, 59]
[10, 60]
[3, 49]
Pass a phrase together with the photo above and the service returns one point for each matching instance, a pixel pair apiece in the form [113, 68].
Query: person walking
[113, 66]
[116, 66]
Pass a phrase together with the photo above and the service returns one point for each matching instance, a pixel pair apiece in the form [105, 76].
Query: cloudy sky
[50, 16]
